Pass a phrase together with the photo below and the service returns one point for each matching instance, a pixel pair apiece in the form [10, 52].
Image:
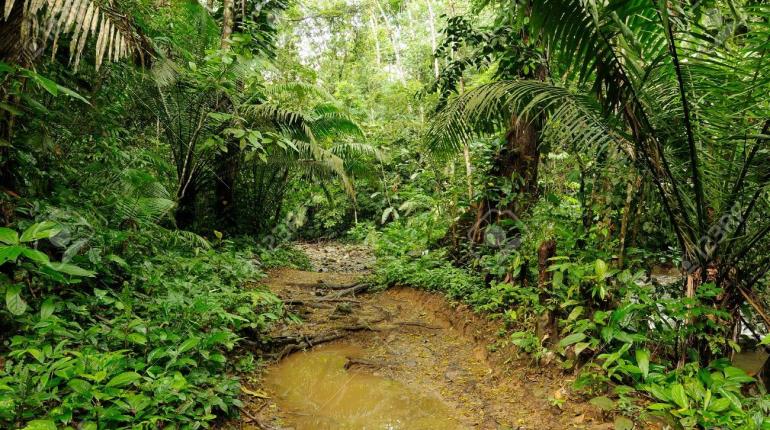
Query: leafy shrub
[148, 351]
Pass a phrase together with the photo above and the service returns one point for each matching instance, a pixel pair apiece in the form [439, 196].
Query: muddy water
[320, 393]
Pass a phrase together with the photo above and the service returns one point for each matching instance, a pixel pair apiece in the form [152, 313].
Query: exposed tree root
[418, 324]
[287, 344]
[355, 289]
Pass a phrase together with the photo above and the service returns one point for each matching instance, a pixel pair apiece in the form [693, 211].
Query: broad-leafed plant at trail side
[688, 99]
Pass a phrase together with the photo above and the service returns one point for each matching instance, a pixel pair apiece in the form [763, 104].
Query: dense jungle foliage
[541, 160]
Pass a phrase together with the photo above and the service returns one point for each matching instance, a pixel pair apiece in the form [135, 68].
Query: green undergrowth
[143, 334]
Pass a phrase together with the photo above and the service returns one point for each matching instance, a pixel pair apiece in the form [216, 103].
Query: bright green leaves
[79, 386]
[40, 425]
[601, 269]
[188, 345]
[72, 270]
[35, 255]
[571, 340]
[41, 230]
[643, 361]
[14, 244]
[47, 309]
[124, 379]
[13, 300]
[10, 253]
[8, 236]
[679, 396]
[15, 249]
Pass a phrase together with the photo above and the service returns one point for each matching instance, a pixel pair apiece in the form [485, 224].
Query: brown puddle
[320, 393]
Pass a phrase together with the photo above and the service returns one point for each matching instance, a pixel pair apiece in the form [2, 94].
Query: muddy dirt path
[396, 359]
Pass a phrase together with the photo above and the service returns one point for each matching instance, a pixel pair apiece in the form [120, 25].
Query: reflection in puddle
[320, 394]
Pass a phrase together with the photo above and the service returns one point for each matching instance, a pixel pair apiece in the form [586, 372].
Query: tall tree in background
[507, 48]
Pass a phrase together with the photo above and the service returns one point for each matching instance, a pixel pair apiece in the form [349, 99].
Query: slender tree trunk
[633, 186]
[228, 21]
[228, 164]
[376, 36]
[186, 212]
[546, 327]
[227, 170]
[433, 43]
[394, 32]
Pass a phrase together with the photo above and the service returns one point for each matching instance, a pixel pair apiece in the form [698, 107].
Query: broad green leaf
[40, 425]
[47, 308]
[137, 338]
[79, 386]
[600, 267]
[41, 230]
[765, 340]
[9, 253]
[679, 396]
[45, 83]
[643, 361]
[220, 116]
[189, 344]
[575, 313]
[580, 347]
[71, 93]
[35, 255]
[8, 236]
[660, 393]
[735, 374]
[124, 379]
[16, 305]
[720, 405]
[571, 339]
[37, 354]
[71, 269]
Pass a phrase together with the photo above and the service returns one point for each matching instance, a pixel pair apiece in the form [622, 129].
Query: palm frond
[38, 24]
[489, 109]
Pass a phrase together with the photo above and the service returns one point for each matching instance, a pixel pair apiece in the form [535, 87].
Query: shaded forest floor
[399, 358]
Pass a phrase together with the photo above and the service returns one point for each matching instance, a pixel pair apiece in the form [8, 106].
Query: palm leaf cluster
[317, 144]
[30, 26]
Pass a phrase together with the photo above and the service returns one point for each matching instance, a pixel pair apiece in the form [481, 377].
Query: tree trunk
[227, 173]
[546, 326]
[185, 212]
[633, 186]
[519, 162]
[227, 23]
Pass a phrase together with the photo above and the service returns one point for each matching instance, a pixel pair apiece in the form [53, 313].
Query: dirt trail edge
[417, 338]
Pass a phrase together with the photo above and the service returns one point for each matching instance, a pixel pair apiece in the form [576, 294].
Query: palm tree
[316, 145]
[683, 86]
